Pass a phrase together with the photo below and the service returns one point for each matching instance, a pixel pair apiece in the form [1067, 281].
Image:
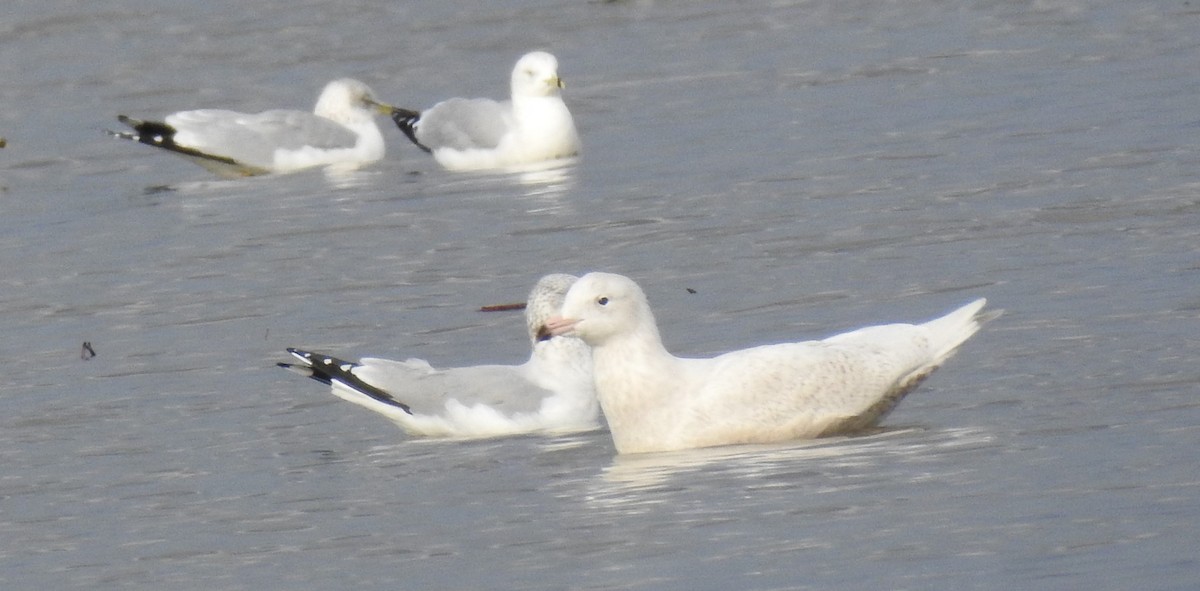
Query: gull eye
[603, 301]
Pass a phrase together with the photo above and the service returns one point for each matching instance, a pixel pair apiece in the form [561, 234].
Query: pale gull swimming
[551, 392]
[475, 134]
[341, 132]
[654, 401]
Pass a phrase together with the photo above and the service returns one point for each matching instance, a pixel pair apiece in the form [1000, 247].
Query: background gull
[654, 401]
[551, 392]
[471, 134]
[340, 131]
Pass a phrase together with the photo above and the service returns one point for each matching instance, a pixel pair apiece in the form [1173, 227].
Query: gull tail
[338, 372]
[946, 335]
[952, 330]
[151, 133]
[407, 121]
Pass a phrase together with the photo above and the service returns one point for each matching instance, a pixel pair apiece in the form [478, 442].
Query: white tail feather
[952, 330]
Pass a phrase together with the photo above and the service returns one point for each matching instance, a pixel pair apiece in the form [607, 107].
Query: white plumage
[341, 131]
[551, 392]
[654, 401]
[474, 134]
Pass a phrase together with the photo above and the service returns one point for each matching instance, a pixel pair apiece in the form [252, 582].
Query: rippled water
[804, 167]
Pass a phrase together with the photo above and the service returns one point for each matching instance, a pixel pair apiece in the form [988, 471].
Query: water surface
[803, 167]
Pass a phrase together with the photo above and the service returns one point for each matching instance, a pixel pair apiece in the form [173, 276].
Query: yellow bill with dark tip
[381, 108]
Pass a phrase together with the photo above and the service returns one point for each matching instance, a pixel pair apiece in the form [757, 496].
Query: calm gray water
[804, 167]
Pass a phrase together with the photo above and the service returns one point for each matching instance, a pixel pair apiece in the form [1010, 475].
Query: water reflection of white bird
[636, 479]
[341, 131]
[654, 401]
[551, 392]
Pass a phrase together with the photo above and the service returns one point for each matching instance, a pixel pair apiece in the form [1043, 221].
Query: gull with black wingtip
[552, 392]
[339, 132]
[476, 134]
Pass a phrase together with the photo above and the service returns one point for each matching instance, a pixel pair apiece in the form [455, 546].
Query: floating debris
[502, 307]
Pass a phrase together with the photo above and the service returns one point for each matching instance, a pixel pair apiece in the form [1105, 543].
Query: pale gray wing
[838, 384]
[426, 390]
[253, 139]
[464, 124]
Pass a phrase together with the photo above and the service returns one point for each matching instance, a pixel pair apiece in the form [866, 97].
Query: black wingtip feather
[406, 120]
[161, 135]
[151, 133]
[304, 370]
[327, 369]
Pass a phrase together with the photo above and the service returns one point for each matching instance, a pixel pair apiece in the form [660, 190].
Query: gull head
[544, 302]
[348, 101]
[536, 74]
[602, 306]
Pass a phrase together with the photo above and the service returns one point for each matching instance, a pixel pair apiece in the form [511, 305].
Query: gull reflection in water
[630, 478]
[348, 177]
[546, 179]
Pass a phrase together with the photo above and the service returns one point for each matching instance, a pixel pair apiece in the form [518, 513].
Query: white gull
[654, 401]
[475, 134]
[341, 131]
[552, 392]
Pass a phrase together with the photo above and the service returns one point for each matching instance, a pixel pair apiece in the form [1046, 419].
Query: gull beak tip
[381, 108]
